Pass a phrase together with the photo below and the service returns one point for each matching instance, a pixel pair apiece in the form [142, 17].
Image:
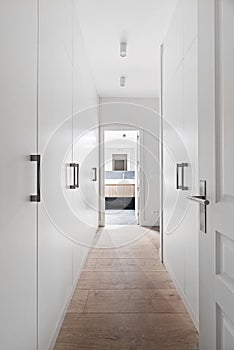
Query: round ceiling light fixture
[123, 49]
[122, 81]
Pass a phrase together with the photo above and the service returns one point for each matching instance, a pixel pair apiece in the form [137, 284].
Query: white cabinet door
[174, 235]
[85, 150]
[216, 130]
[180, 137]
[54, 139]
[18, 82]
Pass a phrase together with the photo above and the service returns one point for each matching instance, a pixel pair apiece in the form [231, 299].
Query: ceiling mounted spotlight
[123, 49]
[122, 81]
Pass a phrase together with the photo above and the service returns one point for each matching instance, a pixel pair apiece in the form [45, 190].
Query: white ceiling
[117, 135]
[143, 24]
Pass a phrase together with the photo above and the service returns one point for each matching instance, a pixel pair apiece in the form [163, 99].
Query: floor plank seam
[86, 301]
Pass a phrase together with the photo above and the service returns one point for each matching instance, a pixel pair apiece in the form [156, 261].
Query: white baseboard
[183, 297]
[148, 223]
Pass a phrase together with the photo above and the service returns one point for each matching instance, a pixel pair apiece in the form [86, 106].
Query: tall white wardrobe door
[85, 150]
[18, 83]
[55, 138]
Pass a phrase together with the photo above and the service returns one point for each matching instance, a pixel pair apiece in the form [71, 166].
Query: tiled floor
[120, 217]
[125, 299]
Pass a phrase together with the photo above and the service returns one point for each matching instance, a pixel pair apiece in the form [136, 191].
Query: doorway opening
[121, 177]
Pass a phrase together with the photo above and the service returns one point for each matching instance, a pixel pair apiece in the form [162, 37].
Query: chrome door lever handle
[199, 199]
[203, 202]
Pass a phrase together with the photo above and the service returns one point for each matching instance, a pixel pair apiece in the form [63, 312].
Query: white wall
[140, 114]
[181, 217]
[120, 146]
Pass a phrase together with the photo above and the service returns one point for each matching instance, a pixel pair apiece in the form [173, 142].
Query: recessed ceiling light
[122, 81]
[123, 49]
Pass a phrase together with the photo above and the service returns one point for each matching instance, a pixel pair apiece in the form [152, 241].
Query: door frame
[206, 106]
[116, 127]
[101, 178]
[161, 248]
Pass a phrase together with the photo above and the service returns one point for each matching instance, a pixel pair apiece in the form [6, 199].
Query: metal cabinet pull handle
[36, 158]
[183, 187]
[94, 174]
[73, 165]
[177, 176]
[77, 184]
[178, 185]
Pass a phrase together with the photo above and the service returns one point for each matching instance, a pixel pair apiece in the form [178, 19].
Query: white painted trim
[142, 187]
[161, 248]
[183, 296]
[137, 180]
[101, 178]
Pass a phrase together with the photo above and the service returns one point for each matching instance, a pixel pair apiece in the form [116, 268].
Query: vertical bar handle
[177, 176]
[36, 158]
[183, 187]
[94, 174]
[77, 184]
[73, 186]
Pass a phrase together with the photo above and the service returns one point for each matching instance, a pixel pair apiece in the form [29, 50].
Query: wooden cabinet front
[117, 191]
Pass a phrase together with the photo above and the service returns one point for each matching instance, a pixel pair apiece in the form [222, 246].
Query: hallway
[125, 299]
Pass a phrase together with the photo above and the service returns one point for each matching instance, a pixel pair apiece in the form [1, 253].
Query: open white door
[216, 129]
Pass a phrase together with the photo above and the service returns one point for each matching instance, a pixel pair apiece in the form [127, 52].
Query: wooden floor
[125, 299]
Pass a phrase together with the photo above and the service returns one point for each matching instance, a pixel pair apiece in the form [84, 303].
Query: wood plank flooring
[125, 299]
